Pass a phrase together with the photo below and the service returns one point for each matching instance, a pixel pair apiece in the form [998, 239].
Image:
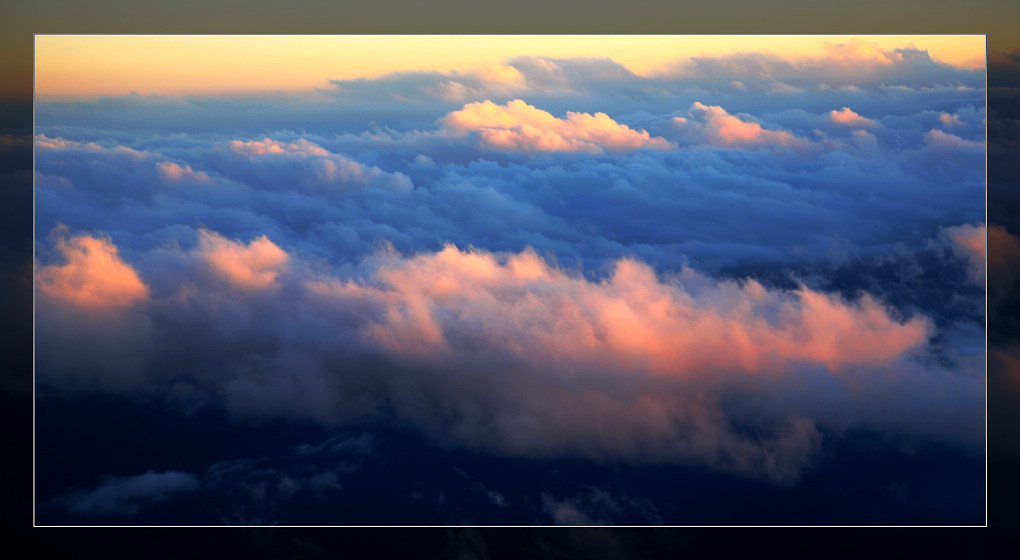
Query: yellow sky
[83, 66]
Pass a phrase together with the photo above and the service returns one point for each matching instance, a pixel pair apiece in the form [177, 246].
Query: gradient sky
[73, 66]
[739, 267]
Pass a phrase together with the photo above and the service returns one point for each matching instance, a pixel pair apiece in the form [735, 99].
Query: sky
[595, 281]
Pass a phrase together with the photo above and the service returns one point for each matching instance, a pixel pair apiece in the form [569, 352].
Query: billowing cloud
[306, 164]
[632, 321]
[519, 126]
[946, 142]
[270, 146]
[729, 130]
[969, 242]
[93, 278]
[127, 495]
[846, 117]
[174, 172]
[951, 121]
[252, 267]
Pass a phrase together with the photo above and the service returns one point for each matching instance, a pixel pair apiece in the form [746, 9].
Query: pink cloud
[540, 361]
[523, 127]
[950, 121]
[252, 267]
[729, 130]
[846, 117]
[269, 146]
[521, 306]
[945, 140]
[174, 172]
[94, 277]
[969, 242]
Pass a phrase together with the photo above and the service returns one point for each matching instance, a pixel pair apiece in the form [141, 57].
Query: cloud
[252, 267]
[951, 121]
[857, 52]
[846, 117]
[969, 242]
[174, 172]
[729, 130]
[501, 74]
[273, 163]
[270, 146]
[519, 126]
[632, 321]
[945, 141]
[94, 277]
[853, 66]
[595, 506]
[127, 495]
[726, 307]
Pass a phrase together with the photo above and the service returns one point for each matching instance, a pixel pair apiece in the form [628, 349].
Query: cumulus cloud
[511, 354]
[252, 267]
[270, 146]
[728, 130]
[273, 163]
[951, 121]
[969, 242]
[519, 126]
[174, 172]
[127, 495]
[846, 117]
[633, 321]
[94, 277]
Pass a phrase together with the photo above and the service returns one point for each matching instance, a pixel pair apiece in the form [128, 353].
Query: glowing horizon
[88, 66]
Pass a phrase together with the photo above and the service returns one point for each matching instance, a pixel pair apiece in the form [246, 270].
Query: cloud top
[454, 300]
[93, 278]
[728, 130]
[519, 126]
[847, 117]
[254, 266]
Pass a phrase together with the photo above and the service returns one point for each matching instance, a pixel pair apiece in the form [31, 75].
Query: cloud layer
[720, 265]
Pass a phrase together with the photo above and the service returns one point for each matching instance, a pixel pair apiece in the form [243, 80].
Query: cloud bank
[721, 265]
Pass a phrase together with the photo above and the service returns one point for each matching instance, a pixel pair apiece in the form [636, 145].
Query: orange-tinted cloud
[729, 130]
[521, 306]
[969, 242]
[252, 267]
[174, 172]
[846, 117]
[951, 121]
[523, 127]
[270, 146]
[94, 277]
